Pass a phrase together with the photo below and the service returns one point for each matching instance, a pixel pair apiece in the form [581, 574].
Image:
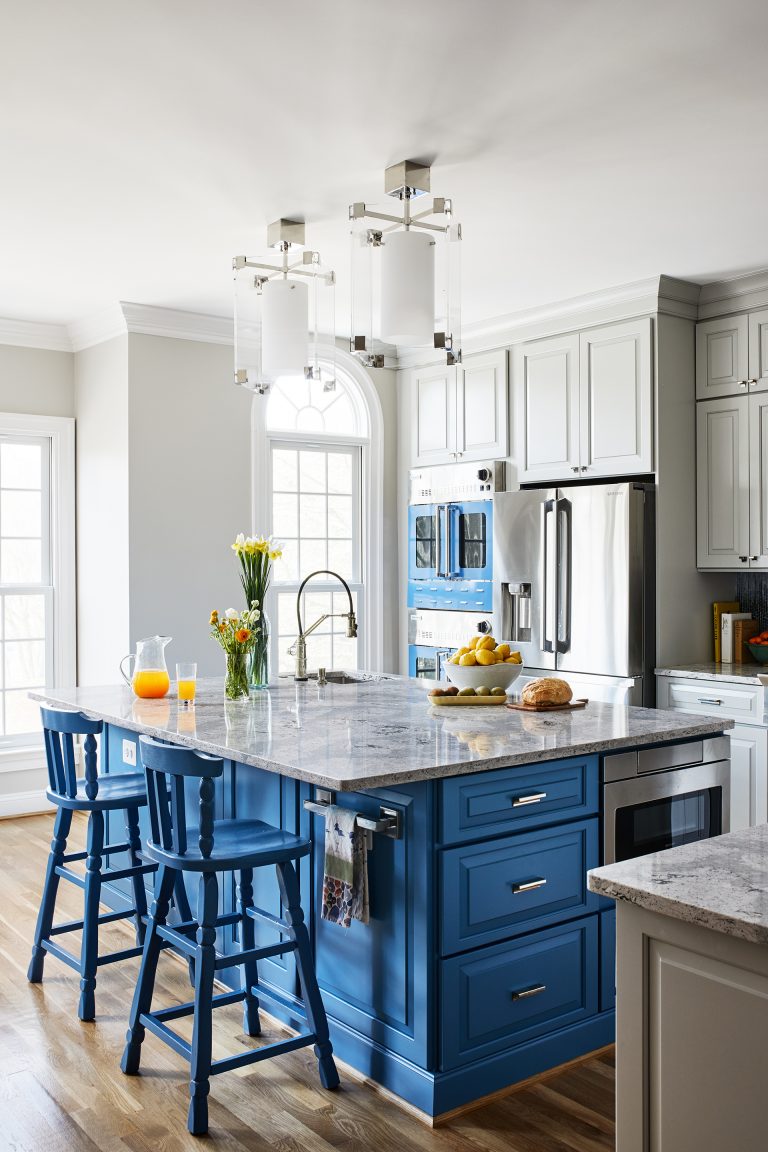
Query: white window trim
[61, 432]
[372, 481]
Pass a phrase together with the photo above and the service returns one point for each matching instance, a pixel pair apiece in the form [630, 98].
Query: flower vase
[236, 681]
[258, 661]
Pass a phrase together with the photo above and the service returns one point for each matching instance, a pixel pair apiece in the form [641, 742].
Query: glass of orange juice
[186, 679]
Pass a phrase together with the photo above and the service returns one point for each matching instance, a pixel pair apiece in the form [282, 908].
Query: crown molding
[736, 294]
[97, 328]
[177, 325]
[30, 334]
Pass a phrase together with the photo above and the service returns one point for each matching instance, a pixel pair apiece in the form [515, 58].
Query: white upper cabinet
[616, 401]
[732, 356]
[758, 481]
[583, 404]
[460, 413]
[723, 467]
[545, 381]
[758, 351]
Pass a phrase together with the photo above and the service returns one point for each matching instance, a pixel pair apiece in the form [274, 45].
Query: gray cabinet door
[722, 360]
[481, 407]
[722, 469]
[616, 403]
[749, 776]
[433, 416]
[758, 351]
[545, 382]
[758, 480]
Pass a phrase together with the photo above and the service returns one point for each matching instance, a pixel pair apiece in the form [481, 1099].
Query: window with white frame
[317, 439]
[37, 624]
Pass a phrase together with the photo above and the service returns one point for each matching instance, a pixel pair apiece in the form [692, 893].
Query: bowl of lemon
[482, 663]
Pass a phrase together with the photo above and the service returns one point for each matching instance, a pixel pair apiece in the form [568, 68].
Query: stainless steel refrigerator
[574, 585]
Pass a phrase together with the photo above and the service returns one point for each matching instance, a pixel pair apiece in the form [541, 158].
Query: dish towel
[345, 875]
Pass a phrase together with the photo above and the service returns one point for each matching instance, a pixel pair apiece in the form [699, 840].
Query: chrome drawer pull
[534, 798]
[528, 885]
[709, 700]
[524, 993]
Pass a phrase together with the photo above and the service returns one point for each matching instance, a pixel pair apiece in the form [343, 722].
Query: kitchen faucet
[299, 646]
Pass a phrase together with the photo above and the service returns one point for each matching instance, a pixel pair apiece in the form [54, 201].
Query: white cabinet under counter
[732, 691]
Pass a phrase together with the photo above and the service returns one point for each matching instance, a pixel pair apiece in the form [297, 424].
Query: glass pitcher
[150, 679]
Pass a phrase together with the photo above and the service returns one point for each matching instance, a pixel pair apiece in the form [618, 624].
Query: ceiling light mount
[282, 310]
[405, 270]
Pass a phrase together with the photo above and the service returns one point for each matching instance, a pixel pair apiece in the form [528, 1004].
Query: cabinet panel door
[749, 776]
[615, 399]
[433, 416]
[481, 408]
[545, 382]
[721, 357]
[722, 469]
[758, 351]
[758, 480]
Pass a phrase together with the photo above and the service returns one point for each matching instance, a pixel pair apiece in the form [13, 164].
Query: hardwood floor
[61, 1089]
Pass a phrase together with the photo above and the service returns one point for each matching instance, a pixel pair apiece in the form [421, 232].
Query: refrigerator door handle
[564, 571]
[547, 645]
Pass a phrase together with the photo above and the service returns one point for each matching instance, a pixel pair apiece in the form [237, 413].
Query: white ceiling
[586, 143]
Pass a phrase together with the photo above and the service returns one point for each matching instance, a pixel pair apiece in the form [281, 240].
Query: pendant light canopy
[281, 310]
[405, 274]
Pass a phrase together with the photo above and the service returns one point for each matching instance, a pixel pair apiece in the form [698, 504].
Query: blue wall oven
[450, 537]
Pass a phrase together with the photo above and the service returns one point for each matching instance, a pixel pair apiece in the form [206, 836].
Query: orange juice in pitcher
[150, 679]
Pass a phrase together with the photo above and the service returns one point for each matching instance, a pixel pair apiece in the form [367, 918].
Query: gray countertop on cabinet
[376, 732]
[729, 673]
[721, 884]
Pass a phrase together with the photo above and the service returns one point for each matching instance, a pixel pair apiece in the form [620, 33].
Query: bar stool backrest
[166, 767]
[59, 728]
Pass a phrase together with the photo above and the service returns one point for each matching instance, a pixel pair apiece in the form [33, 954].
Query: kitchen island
[692, 995]
[487, 960]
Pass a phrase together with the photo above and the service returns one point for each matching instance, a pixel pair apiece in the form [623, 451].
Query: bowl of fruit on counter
[482, 663]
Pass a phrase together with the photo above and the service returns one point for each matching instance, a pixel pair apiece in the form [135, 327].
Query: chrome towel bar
[390, 822]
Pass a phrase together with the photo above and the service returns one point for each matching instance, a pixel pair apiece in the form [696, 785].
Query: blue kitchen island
[486, 960]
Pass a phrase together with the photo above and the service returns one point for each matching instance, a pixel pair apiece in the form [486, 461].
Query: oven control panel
[447, 482]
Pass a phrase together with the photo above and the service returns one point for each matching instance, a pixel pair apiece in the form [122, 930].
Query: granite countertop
[733, 673]
[377, 731]
[720, 883]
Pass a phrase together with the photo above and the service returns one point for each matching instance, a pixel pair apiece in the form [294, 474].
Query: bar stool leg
[202, 1035]
[137, 880]
[318, 1022]
[61, 828]
[181, 900]
[142, 997]
[90, 950]
[251, 1021]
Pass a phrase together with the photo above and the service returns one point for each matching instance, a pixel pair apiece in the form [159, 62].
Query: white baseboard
[24, 803]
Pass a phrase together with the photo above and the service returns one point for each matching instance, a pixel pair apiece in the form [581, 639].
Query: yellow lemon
[461, 651]
[454, 659]
[474, 642]
[515, 658]
[484, 657]
[487, 642]
[502, 650]
[468, 660]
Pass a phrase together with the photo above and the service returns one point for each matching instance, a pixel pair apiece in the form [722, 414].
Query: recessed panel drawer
[494, 890]
[518, 798]
[494, 998]
[712, 698]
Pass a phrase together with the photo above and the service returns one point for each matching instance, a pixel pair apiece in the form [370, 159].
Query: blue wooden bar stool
[213, 847]
[94, 795]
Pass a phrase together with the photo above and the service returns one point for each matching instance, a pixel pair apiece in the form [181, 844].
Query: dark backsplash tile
[752, 595]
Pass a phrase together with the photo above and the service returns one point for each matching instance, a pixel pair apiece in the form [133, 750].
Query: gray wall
[36, 382]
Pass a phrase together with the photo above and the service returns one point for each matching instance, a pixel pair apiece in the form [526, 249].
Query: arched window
[318, 488]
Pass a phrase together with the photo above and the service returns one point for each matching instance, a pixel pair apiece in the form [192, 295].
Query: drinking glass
[186, 677]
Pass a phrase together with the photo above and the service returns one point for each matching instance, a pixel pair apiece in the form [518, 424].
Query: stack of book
[732, 630]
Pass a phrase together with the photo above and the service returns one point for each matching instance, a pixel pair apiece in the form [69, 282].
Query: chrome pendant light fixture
[405, 271]
[282, 310]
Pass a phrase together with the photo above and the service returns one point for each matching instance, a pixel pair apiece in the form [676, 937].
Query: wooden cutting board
[572, 706]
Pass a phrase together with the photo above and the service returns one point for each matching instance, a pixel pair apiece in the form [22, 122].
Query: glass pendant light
[405, 274]
[282, 311]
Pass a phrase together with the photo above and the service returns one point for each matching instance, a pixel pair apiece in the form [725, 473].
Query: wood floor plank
[61, 1089]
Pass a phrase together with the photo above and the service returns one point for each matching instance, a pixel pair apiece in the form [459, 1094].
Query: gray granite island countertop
[721, 884]
[728, 673]
[376, 732]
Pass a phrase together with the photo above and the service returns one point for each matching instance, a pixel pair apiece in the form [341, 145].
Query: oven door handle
[438, 541]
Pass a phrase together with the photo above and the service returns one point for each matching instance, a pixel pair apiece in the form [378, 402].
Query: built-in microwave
[661, 797]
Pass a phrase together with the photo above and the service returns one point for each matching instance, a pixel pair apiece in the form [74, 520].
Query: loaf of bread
[547, 691]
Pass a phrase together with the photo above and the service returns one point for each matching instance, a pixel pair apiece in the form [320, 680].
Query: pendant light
[282, 310]
[405, 274]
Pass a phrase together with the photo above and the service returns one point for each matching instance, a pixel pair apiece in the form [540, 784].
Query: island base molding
[692, 1036]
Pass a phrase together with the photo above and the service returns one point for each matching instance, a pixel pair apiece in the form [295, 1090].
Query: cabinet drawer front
[518, 798]
[497, 997]
[712, 698]
[491, 891]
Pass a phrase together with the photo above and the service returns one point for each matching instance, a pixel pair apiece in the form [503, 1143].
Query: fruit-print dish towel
[345, 878]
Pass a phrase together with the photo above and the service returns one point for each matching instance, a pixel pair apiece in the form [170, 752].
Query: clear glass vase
[236, 680]
[258, 660]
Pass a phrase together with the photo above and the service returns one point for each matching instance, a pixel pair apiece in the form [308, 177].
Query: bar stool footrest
[187, 1009]
[171, 1038]
[61, 954]
[294, 1007]
[263, 953]
[103, 918]
[254, 1055]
